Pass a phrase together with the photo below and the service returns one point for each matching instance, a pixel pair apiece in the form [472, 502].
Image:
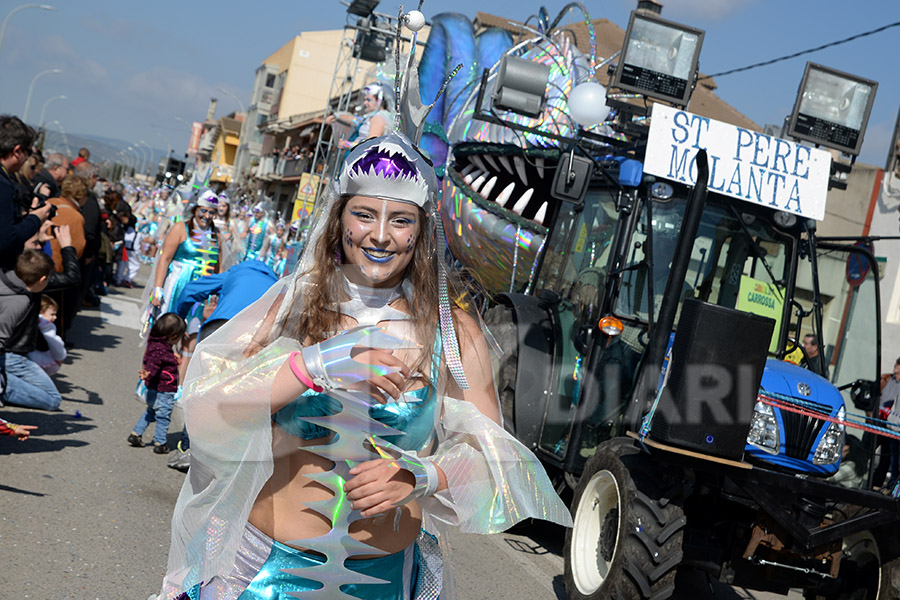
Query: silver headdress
[208, 199]
[390, 168]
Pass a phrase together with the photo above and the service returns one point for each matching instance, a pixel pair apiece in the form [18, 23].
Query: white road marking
[121, 311]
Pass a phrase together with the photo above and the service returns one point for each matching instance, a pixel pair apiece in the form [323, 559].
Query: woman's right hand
[390, 384]
[359, 358]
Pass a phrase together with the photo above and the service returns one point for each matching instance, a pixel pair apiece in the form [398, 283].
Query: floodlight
[370, 45]
[659, 59]
[832, 109]
[362, 8]
[521, 86]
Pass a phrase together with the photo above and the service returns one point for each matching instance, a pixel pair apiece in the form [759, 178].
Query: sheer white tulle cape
[494, 481]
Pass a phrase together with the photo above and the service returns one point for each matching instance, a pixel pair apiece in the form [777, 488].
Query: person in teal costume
[190, 250]
[271, 252]
[255, 236]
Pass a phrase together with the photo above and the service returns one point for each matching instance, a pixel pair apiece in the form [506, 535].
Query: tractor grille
[800, 431]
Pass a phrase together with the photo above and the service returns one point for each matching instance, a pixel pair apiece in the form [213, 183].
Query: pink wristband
[300, 375]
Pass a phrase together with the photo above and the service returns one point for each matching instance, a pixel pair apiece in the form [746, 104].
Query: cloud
[705, 10]
[167, 89]
[115, 28]
[56, 52]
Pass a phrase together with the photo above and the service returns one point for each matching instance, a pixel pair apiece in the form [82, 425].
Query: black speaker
[717, 363]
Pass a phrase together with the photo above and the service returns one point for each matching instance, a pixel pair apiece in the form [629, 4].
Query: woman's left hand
[378, 485]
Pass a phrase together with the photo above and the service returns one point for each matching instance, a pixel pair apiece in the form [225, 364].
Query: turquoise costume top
[195, 257]
[275, 244]
[413, 414]
[255, 238]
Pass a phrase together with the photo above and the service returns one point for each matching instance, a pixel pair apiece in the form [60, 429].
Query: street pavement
[84, 516]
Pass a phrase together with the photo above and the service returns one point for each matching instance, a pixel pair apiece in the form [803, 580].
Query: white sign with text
[743, 164]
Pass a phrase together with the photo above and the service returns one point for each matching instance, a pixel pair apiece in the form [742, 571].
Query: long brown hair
[319, 318]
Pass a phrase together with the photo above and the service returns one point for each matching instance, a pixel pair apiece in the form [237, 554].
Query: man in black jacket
[93, 224]
[55, 170]
[16, 139]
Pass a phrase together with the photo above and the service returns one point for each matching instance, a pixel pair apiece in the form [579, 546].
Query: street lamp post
[31, 90]
[150, 156]
[136, 157]
[168, 143]
[236, 99]
[64, 137]
[14, 11]
[144, 159]
[129, 160]
[47, 103]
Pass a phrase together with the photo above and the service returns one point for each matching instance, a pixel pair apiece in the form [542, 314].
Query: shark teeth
[522, 202]
[476, 160]
[490, 160]
[496, 178]
[519, 162]
[504, 196]
[470, 177]
[489, 186]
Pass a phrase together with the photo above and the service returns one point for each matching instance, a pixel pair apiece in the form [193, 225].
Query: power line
[795, 55]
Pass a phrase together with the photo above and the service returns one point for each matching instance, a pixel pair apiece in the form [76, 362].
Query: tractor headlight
[832, 445]
[764, 428]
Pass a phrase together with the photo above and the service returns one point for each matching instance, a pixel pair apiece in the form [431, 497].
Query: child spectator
[160, 373]
[51, 351]
[20, 431]
[27, 384]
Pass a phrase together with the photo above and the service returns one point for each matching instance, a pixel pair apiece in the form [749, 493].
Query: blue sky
[132, 69]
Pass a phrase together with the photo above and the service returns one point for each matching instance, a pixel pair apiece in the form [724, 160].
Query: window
[270, 80]
[736, 264]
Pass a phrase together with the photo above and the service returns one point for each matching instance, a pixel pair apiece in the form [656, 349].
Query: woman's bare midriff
[281, 513]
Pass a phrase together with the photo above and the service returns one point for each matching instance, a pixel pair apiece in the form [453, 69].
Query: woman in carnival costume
[271, 252]
[190, 250]
[222, 218]
[293, 247]
[341, 423]
[375, 121]
[255, 234]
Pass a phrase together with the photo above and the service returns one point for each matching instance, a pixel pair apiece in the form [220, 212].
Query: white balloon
[414, 20]
[587, 104]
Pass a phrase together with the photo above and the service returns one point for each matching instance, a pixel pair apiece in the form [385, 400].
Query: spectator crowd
[67, 235]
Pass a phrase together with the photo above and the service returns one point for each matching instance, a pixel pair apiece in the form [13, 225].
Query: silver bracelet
[315, 366]
[425, 473]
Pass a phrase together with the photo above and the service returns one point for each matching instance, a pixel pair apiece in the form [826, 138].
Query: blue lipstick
[377, 259]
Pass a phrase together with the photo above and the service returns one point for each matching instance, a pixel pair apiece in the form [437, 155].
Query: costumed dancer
[190, 250]
[375, 122]
[292, 248]
[273, 246]
[342, 422]
[255, 235]
[222, 219]
[147, 230]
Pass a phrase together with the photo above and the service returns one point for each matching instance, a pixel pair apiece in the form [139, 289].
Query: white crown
[416, 188]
